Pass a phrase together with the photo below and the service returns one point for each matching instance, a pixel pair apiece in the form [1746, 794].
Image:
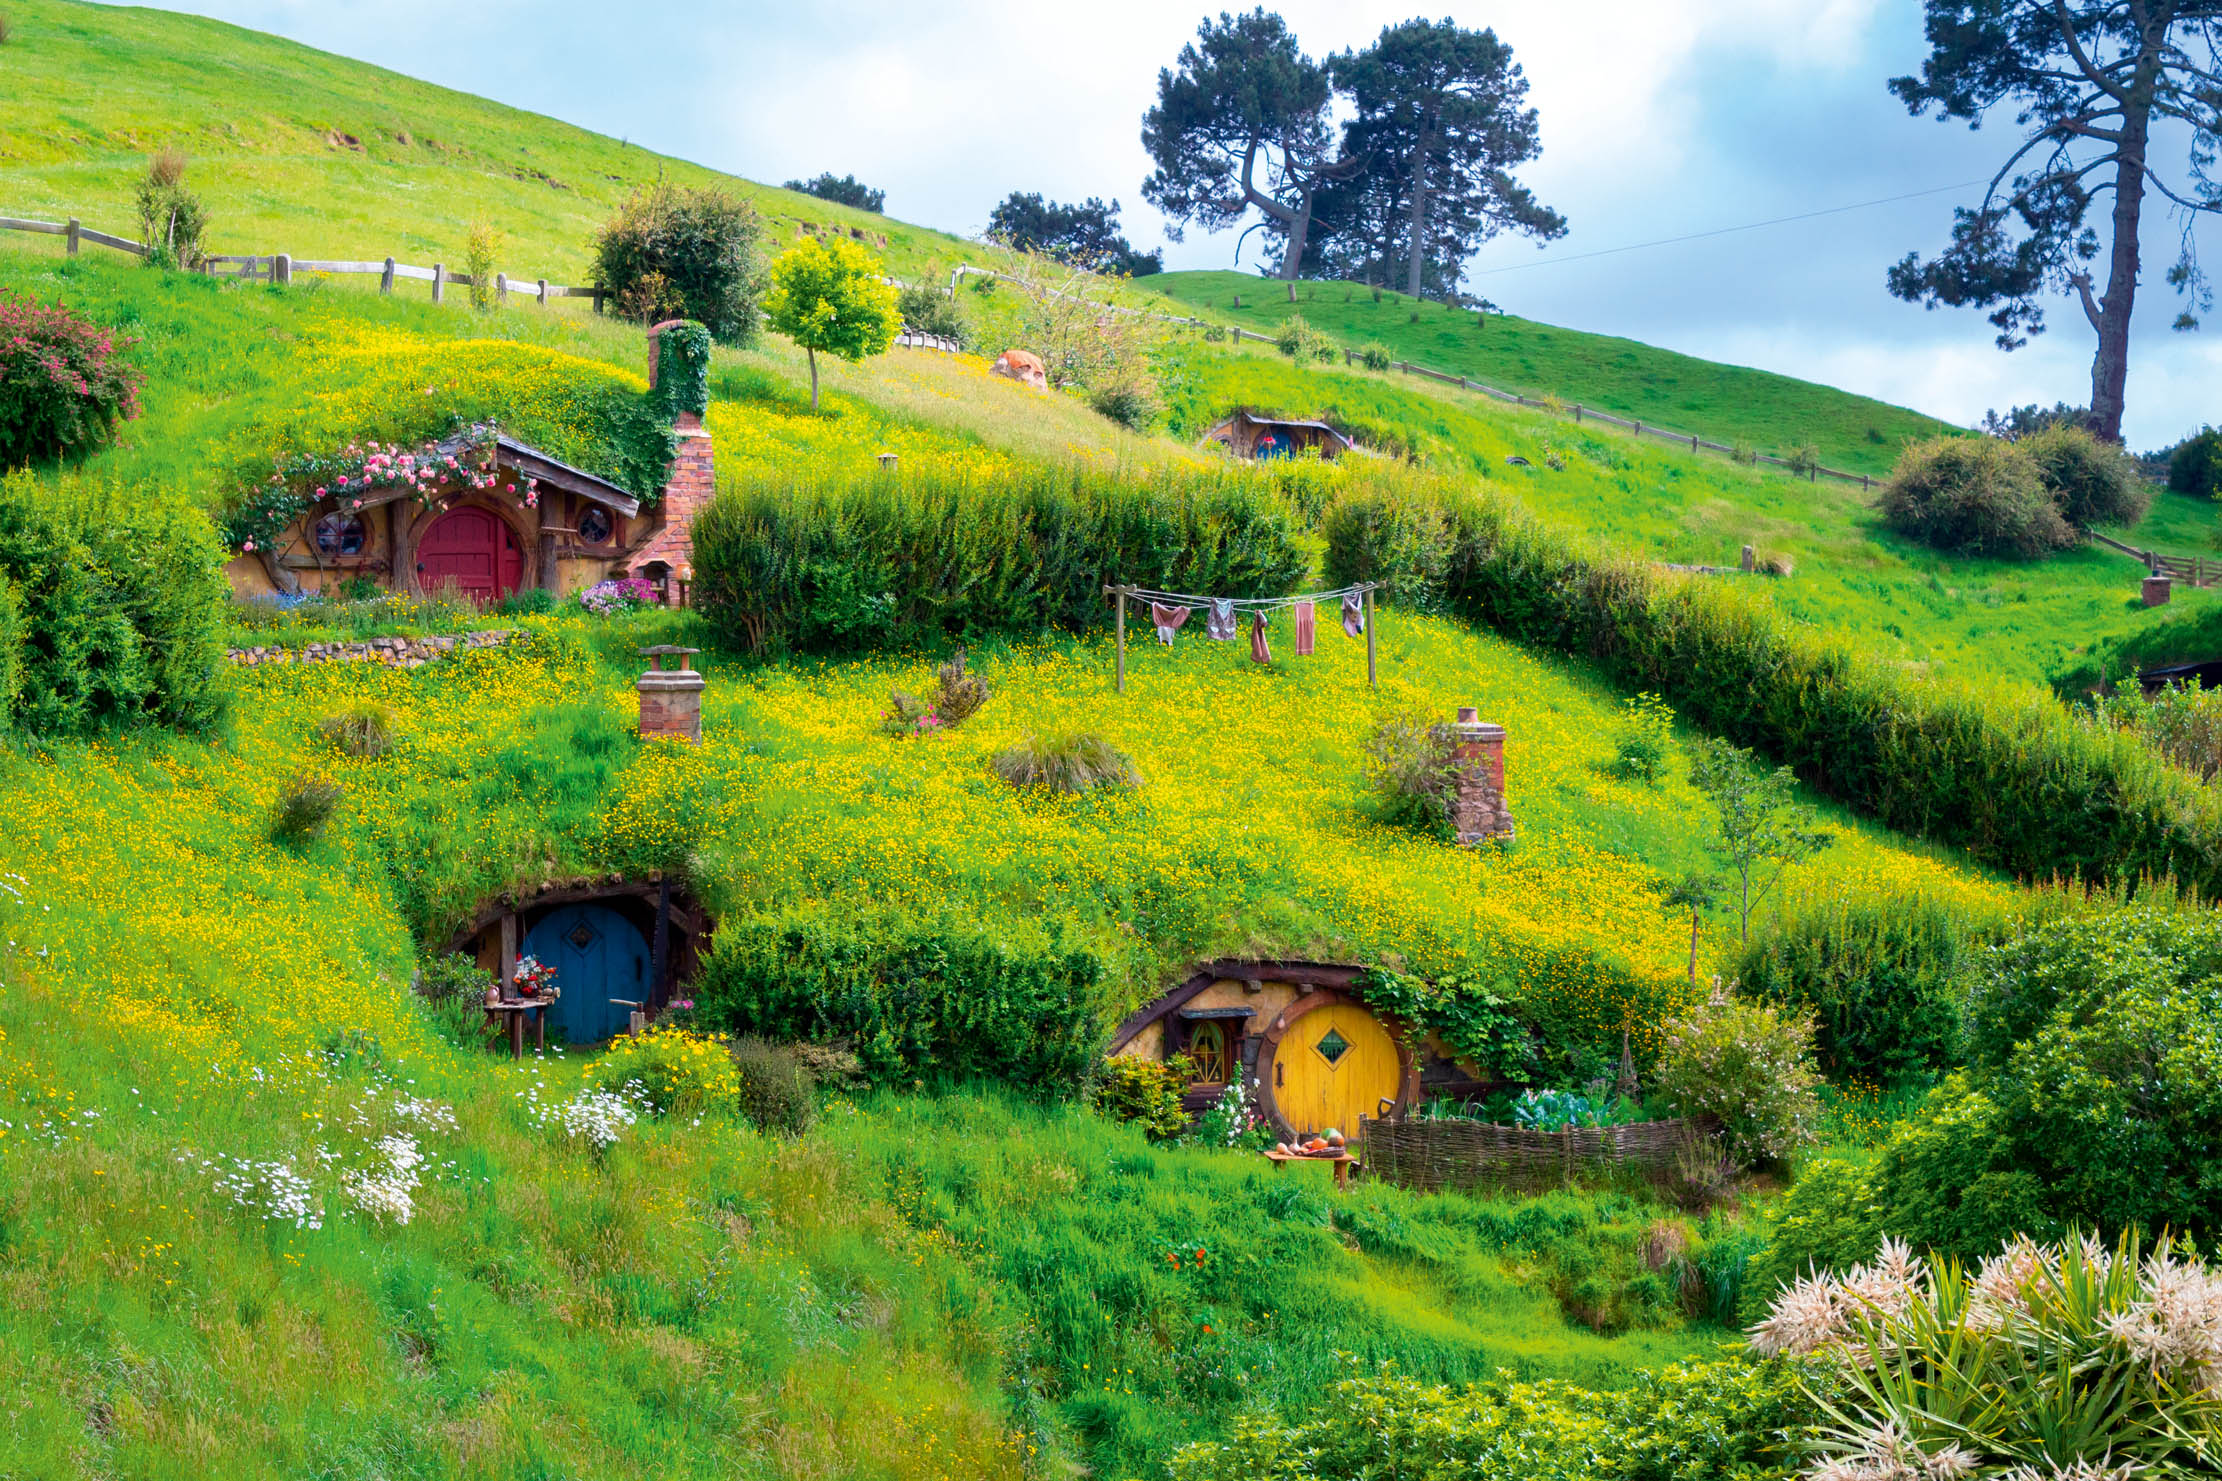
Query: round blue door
[599, 957]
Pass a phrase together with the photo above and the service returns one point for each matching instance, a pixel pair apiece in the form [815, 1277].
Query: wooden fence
[279, 267]
[2192, 570]
[1450, 1153]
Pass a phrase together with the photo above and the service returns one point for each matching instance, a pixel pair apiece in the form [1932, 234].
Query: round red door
[474, 549]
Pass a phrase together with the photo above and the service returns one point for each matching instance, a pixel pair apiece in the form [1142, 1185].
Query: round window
[595, 525]
[341, 534]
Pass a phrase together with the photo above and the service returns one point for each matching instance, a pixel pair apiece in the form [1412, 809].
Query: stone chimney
[1478, 807]
[668, 557]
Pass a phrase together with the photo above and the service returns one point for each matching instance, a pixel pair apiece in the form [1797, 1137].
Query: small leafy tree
[1696, 893]
[831, 298]
[1646, 734]
[171, 218]
[1763, 828]
[482, 245]
[685, 253]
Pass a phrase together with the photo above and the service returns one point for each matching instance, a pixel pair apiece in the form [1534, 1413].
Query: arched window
[1208, 1051]
[596, 526]
[341, 533]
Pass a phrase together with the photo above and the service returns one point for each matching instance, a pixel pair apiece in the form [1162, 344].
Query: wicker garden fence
[1429, 1154]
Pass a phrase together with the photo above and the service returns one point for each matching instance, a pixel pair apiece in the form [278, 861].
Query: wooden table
[1341, 1161]
[516, 1009]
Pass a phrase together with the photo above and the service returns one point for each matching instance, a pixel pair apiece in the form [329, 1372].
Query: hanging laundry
[1259, 653]
[1354, 614]
[1304, 628]
[1219, 621]
[1168, 621]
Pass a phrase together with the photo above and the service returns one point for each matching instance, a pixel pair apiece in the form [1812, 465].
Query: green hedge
[116, 614]
[2008, 776]
[916, 1000]
[917, 558]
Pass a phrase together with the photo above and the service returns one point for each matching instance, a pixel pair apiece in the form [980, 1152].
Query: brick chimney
[687, 492]
[1478, 809]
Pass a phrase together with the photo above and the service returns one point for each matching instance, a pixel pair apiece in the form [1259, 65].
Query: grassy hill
[1725, 403]
[93, 90]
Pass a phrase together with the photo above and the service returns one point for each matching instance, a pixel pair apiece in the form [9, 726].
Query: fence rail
[1431, 1154]
[2192, 570]
[279, 267]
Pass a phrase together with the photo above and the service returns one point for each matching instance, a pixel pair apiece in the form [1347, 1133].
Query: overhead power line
[1722, 231]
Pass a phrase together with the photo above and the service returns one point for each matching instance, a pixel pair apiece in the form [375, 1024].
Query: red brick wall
[687, 492]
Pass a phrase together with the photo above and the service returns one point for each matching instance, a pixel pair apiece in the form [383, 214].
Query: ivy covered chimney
[679, 378]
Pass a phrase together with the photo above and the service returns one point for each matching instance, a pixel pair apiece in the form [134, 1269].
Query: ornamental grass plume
[1070, 764]
[2052, 1362]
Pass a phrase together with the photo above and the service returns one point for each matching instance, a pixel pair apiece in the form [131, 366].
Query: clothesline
[1239, 604]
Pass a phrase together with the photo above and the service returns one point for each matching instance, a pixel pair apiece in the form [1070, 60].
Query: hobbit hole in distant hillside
[1250, 434]
[1313, 1051]
[479, 513]
[618, 948]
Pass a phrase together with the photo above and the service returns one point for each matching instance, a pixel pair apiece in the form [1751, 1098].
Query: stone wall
[407, 653]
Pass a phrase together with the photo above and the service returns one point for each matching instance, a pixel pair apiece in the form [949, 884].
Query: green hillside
[1723, 403]
[92, 90]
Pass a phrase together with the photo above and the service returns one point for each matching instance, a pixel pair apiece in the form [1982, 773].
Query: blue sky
[1659, 118]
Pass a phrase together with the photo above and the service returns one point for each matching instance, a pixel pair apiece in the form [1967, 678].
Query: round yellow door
[1333, 1064]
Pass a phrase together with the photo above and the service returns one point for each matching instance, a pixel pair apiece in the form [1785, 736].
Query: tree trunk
[1418, 225]
[1299, 222]
[813, 354]
[2110, 315]
[1693, 948]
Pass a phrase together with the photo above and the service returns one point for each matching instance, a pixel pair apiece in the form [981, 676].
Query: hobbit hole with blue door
[617, 948]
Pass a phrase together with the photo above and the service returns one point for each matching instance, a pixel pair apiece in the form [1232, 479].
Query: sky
[1659, 119]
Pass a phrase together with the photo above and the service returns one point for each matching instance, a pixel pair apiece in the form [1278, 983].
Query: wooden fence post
[1372, 681]
[281, 269]
[1693, 442]
[70, 231]
[1121, 625]
[501, 290]
[543, 292]
[439, 281]
[1577, 411]
[385, 279]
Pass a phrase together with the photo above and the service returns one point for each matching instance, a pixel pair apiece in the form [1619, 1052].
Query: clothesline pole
[1122, 641]
[1371, 681]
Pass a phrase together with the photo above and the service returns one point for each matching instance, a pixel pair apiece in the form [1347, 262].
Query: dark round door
[474, 549]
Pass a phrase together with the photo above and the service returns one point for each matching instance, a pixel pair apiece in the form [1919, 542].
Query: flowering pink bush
[363, 470]
[63, 383]
[614, 598]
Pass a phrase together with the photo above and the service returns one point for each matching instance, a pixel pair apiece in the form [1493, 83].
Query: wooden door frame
[1269, 1044]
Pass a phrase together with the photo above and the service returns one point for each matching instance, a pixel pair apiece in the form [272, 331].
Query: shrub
[683, 368]
[1410, 765]
[701, 243]
[1298, 340]
[1144, 1093]
[670, 1072]
[776, 1090]
[958, 695]
[1731, 1420]
[1070, 764]
[1129, 399]
[1883, 977]
[121, 606]
[453, 978]
[2183, 722]
[2194, 467]
[1803, 460]
[2064, 1360]
[842, 190]
[1375, 355]
[1747, 1066]
[533, 601]
[2016, 782]
[1973, 496]
[907, 716]
[64, 383]
[616, 597]
[1646, 738]
[2094, 483]
[171, 218]
[11, 650]
[926, 309]
[364, 730]
[305, 805]
[918, 558]
[482, 248]
[917, 999]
